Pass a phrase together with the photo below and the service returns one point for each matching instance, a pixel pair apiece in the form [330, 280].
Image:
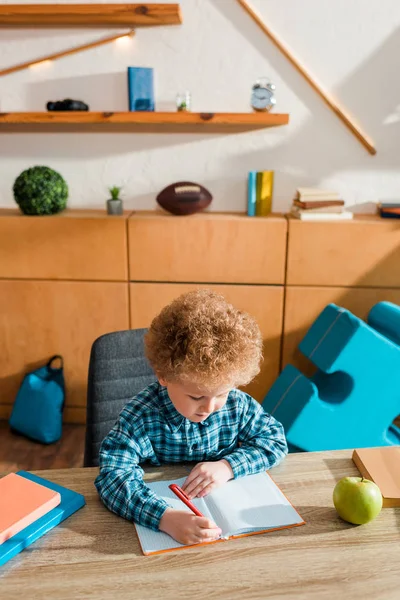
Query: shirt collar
[172, 416]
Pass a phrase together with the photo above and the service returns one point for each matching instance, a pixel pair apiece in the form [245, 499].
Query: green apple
[357, 500]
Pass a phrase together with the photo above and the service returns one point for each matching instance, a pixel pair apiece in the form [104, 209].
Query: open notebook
[244, 506]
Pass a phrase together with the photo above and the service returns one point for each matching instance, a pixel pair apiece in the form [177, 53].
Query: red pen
[182, 496]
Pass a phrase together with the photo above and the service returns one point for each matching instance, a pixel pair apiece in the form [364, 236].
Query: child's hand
[206, 476]
[187, 528]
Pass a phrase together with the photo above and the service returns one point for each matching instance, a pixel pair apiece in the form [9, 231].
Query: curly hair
[201, 338]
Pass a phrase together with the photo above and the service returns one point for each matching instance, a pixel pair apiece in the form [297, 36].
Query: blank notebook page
[251, 503]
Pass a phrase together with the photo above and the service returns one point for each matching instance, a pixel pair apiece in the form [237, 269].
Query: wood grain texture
[17, 452]
[74, 245]
[329, 101]
[89, 15]
[63, 53]
[206, 247]
[265, 303]
[94, 553]
[72, 414]
[42, 318]
[362, 252]
[145, 122]
[303, 305]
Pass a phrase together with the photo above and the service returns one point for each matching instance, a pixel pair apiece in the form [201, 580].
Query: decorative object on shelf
[184, 198]
[325, 97]
[67, 104]
[314, 204]
[260, 186]
[265, 188]
[262, 95]
[140, 89]
[114, 204]
[251, 193]
[389, 208]
[40, 190]
[62, 53]
[184, 102]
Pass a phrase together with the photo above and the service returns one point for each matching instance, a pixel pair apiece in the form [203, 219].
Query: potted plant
[114, 204]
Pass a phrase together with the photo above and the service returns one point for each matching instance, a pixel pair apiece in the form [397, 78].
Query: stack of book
[312, 204]
[389, 209]
[30, 506]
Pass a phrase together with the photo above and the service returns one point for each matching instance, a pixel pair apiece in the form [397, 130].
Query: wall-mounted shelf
[89, 15]
[153, 122]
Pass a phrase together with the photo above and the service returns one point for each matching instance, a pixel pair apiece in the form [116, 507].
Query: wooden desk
[96, 555]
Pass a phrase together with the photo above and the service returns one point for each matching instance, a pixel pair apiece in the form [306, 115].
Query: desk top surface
[95, 554]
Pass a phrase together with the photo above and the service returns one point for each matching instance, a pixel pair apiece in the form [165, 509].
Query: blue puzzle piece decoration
[354, 396]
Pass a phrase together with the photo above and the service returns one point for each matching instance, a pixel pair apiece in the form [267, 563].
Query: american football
[184, 198]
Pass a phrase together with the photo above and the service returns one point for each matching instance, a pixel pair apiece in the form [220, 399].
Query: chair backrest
[118, 369]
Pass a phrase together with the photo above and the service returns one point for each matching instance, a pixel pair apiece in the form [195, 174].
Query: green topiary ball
[40, 191]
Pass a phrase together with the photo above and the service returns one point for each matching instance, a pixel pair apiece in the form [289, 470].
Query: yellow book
[264, 190]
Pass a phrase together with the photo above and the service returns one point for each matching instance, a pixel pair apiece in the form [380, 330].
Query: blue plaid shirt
[150, 429]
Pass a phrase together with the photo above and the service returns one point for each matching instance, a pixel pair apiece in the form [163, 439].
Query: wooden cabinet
[74, 245]
[303, 305]
[68, 278]
[353, 264]
[265, 303]
[42, 318]
[208, 247]
[64, 281]
[364, 252]
[241, 257]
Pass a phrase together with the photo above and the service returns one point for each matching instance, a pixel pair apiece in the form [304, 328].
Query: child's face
[194, 403]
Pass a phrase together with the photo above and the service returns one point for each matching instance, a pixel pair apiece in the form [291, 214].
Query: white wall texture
[352, 47]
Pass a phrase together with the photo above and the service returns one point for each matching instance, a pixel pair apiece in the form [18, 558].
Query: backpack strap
[52, 359]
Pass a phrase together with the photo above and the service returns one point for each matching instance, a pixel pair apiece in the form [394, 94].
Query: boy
[201, 348]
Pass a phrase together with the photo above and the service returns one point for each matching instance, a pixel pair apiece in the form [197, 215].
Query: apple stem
[362, 478]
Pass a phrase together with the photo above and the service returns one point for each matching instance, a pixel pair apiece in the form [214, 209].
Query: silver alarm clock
[262, 95]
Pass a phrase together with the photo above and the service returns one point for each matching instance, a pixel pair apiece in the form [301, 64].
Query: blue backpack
[38, 408]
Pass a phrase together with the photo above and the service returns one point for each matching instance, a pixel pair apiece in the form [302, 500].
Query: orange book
[22, 502]
[382, 466]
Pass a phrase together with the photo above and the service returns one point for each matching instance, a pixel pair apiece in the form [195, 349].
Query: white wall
[351, 46]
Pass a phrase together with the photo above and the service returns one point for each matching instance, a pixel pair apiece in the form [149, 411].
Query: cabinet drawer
[207, 248]
[265, 303]
[42, 318]
[74, 245]
[362, 252]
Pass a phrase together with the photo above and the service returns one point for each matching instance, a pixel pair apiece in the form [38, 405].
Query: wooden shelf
[89, 15]
[151, 122]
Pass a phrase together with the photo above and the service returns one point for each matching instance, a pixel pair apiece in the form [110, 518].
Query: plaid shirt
[150, 429]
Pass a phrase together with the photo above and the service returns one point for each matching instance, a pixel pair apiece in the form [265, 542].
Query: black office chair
[118, 369]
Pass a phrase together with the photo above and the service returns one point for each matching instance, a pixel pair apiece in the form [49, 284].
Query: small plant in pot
[114, 204]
